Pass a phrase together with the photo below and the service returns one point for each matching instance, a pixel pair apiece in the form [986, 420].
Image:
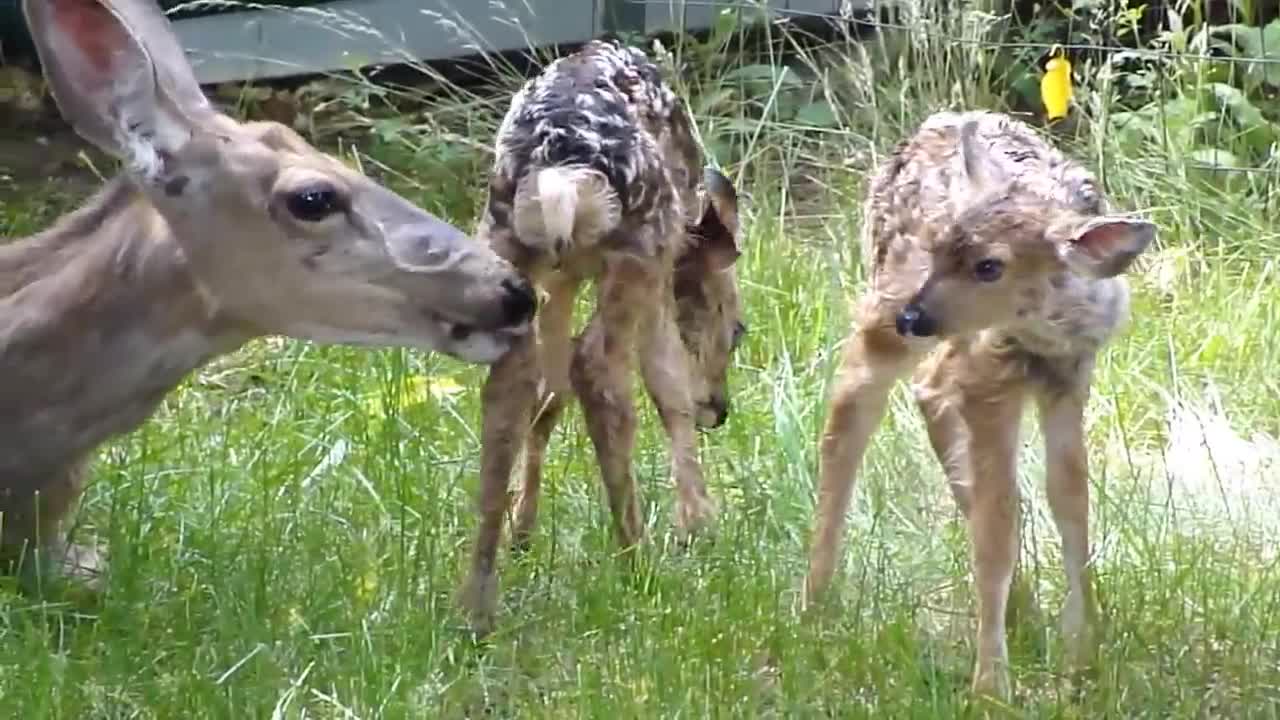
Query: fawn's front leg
[664, 366]
[992, 415]
[507, 400]
[33, 534]
[1067, 479]
[875, 357]
[940, 401]
[601, 375]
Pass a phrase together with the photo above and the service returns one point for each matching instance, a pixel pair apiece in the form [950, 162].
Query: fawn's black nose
[913, 320]
[518, 302]
[721, 409]
[719, 406]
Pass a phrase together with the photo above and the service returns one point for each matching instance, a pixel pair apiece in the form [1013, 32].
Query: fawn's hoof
[86, 565]
[992, 682]
[526, 520]
[81, 568]
[810, 596]
[1080, 646]
[695, 516]
[520, 543]
[1079, 631]
[478, 599]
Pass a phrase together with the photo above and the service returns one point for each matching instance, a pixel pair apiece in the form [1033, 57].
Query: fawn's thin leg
[601, 375]
[34, 533]
[992, 417]
[948, 435]
[664, 366]
[507, 400]
[1067, 480]
[550, 406]
[555, 329]
[939, 400]
[875, 357]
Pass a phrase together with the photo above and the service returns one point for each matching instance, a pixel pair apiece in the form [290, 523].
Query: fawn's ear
[1104, 246]
[118, 76]
[980, 169]
[716, 234]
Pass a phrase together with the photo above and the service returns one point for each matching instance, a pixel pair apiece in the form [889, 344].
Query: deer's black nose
[518, 302]
[913, 320]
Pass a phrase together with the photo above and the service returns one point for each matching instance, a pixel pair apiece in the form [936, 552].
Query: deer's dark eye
[313, 203]
[988, 270]
[739, 332]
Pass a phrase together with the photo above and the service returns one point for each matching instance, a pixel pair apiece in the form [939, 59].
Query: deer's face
[282, 238]
[290, 241]
[979, 275]
[709, 311]
[997, 260]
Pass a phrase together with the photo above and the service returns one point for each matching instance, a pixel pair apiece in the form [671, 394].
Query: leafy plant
[1258, 47]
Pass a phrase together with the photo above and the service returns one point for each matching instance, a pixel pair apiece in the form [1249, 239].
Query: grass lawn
[287, 532]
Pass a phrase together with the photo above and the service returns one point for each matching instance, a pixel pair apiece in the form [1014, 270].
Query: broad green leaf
[1256, 43]
[1254, 128]
[818, 114]
[1214, 158]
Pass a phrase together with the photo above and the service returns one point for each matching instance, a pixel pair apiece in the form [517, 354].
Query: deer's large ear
[1105, 246]
[716, 234]
[118, 76]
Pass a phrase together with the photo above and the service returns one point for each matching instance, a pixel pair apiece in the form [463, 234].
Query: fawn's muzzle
[721, 410]
[913, 320]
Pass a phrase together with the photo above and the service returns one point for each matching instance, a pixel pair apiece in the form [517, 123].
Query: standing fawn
[597, 176]
[217, 232]
[994, 274]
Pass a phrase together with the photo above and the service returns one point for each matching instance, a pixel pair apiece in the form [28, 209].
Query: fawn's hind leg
[938, 401]
[664, 366]
[875, 357]
[507, 400]
[555, 330]
[1067, 480]
[601, 373]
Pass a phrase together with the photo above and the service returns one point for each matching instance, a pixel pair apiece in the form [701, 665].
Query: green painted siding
[240, 45]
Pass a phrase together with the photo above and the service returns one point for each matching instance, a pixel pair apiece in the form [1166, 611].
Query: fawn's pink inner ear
[1102, 240]
[92, 29]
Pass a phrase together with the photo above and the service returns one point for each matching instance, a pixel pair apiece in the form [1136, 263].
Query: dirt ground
[36, 145]
[35, 152]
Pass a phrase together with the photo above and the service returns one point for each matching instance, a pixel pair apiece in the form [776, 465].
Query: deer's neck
[99, 319]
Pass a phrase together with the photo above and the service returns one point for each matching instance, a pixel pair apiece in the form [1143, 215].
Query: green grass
[288, 530]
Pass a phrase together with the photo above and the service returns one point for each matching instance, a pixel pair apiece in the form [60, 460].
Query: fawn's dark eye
[988, 270]
[739, 332]
[313, 203]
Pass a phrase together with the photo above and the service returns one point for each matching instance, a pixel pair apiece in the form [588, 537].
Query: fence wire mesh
[1200, 81]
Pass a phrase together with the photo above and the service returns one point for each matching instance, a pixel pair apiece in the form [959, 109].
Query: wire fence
[1212, 91]
[866, 19]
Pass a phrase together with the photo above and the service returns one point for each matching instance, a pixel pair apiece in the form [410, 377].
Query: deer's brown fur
[215, 233]
[994, 271]
[598, 176]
